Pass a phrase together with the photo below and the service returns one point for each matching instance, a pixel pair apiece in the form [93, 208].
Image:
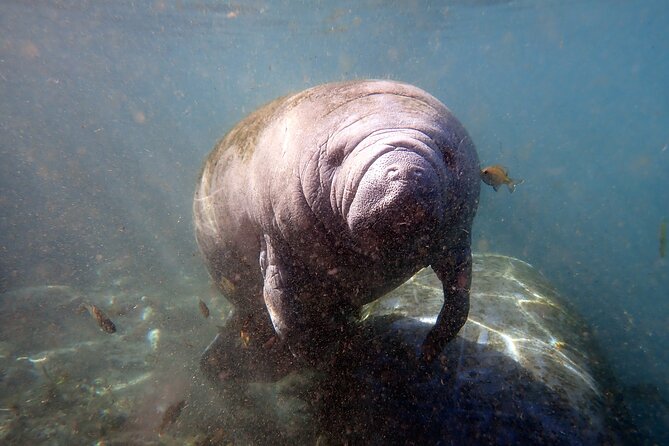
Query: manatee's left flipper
[454, 269]
[274, 288]
[280, 299]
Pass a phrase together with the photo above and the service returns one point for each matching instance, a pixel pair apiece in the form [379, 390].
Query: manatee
[322, 201]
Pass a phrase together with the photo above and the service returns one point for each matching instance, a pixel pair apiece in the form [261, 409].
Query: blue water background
[108, 109]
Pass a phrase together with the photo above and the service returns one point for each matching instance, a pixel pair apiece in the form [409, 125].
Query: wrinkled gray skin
[320, 202]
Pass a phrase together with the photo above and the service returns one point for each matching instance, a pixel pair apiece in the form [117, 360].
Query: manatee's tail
[513, 183]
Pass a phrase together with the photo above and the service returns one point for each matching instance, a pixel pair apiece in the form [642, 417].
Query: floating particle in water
[139, 117]
[29, 51]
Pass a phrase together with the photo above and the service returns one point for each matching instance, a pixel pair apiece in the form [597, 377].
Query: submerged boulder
[522, 370]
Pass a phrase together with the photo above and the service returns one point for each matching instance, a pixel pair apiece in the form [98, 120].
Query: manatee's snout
[399, 195]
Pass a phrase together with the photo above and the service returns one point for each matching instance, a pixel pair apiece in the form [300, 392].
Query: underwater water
[109, 109]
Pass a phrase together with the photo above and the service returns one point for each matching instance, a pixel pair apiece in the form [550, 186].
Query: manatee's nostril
[392, 173]
[417, 172]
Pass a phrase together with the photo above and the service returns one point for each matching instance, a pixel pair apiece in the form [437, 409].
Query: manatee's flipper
[279, 300]
[283, 306]
[454, 269]
[306, 329]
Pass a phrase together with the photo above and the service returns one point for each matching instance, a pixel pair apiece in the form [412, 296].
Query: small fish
[227, 286]
[497, 175]
[103, 321]
[204, 309]
[663, 238]
[245, 338]
[559, 345]
[171, 414]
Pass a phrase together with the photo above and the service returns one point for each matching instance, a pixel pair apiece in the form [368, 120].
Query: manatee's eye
[448, 158]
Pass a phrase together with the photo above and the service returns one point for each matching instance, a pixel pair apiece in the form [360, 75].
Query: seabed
[65, 381]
